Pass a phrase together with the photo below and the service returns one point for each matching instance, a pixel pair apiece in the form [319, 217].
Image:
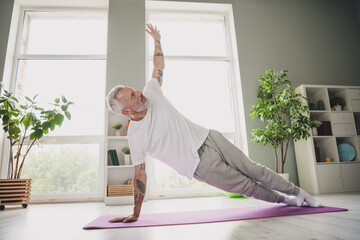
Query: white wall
[6, 7]
[126, 44]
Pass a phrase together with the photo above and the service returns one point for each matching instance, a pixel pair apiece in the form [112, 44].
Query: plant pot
[284, 175]
[14, 192]
[117, 132]
[337, 107]
[127, 159]
[314, 131]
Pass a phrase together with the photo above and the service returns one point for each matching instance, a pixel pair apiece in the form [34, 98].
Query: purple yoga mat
[209, 216]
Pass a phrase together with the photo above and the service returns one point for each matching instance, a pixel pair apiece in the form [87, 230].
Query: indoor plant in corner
[284, 113]
[24, 125]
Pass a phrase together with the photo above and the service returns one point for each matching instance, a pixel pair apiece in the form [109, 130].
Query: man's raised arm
[139, 194]
[159, 63]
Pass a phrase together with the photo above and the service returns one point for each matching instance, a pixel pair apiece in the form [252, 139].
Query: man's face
[132, 99]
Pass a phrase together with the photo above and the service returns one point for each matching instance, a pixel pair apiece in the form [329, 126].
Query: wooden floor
[65, 221]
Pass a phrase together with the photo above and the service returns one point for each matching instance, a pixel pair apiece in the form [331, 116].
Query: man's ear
[126, 111]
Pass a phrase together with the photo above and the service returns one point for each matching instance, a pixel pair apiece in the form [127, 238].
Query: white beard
[143, 106]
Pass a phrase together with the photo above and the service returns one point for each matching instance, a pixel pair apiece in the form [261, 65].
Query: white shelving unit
[116, 175]
[315, 174]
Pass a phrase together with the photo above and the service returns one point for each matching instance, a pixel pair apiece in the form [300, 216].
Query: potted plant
[117, 127]
[283, 112]
[24, 125]
[314, 125]
[338, 103]
[126, 151]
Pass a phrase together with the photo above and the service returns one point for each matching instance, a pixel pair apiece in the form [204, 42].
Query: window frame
[68, 139]
[239, 136]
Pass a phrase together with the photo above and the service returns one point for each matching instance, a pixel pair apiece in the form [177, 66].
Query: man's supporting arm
[140, 178]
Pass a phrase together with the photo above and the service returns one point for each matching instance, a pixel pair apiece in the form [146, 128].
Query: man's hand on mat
[131, 218]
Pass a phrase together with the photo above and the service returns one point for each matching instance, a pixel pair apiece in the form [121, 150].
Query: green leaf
[32, 136]
[23, 107]
[15, 99]
[35, 96]
[64, 107]
[38, 133]
[52, 125]
[64, 99]
[68, 115]
[45, 125]
[11, 105]
[2, 112]
[59, 118]
[29, 99]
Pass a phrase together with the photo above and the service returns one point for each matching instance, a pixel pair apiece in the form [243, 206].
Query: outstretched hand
[154, 32]
[130, 218]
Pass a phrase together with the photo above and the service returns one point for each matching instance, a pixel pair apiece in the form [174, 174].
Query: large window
[198, 80]
[64, 53]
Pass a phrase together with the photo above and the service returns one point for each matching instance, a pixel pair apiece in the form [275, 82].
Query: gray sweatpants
[226, 167]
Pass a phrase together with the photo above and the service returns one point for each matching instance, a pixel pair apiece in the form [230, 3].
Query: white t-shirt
[165, 134]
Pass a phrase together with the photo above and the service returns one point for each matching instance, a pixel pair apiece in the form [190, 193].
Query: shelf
[117, 137]
[350, 162]
[342, 111]
[122, 166]
[326, 163]
[330, 136]
[319, 111]
[119, 200]
[315, 174]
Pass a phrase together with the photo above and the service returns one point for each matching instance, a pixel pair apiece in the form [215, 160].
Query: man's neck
[139, 116]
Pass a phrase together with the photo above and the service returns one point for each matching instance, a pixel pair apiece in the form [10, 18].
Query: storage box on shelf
[325, 161]
[117, 174]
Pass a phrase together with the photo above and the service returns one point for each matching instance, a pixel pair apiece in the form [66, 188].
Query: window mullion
[59, 57]
[196, 58]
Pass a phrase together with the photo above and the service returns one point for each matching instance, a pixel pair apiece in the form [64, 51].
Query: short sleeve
[152, 86]
[138, 155]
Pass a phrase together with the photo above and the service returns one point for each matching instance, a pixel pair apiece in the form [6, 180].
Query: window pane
[168, 179]
[187, 34]
[200, 90]
[80, 81]
[64, 33]
[67, 168]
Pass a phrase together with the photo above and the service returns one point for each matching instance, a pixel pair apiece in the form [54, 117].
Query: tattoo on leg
[142, 167]
[140, 185]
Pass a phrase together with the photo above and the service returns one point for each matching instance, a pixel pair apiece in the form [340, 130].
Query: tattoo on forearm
[158, 44]
[159, 54]
[160, 74]
[138, 198]
[140, 185]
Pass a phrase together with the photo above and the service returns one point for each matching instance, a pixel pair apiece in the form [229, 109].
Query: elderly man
[159, 130]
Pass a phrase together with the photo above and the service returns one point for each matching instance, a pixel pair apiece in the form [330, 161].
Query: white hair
[115, 105]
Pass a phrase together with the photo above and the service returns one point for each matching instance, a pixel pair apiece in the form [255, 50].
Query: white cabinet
[329, 178]
[116, 174]
[321, 166]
